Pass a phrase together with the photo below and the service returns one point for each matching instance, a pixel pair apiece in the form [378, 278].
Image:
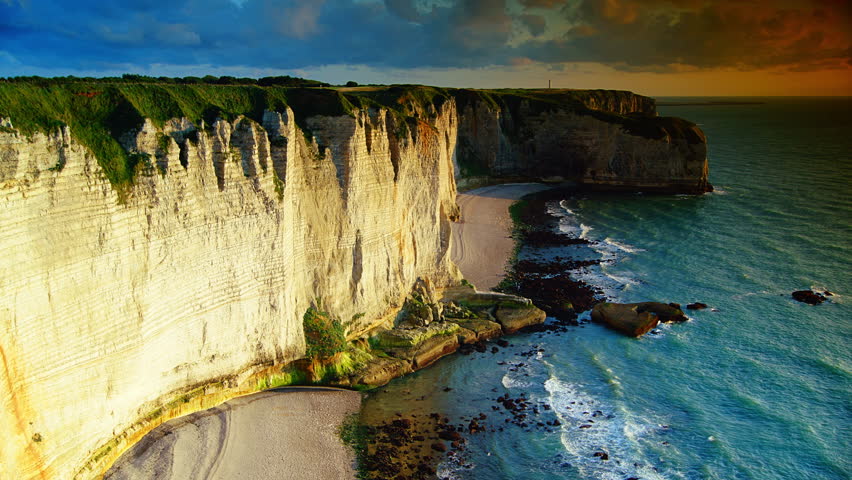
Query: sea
[757, 386]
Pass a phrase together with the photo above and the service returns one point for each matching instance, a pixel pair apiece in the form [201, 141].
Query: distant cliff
[605, 140]
[161, 245]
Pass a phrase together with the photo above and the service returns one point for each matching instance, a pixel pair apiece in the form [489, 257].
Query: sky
[653, 47]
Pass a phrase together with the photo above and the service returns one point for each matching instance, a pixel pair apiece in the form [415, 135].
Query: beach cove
[296, 431]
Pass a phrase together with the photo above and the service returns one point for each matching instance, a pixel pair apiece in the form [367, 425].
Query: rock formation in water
[636, 319]
[810, 297]
[162, 247]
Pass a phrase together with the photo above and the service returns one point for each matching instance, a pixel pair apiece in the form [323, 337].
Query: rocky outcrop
[513, 318]
[635, 319]
[467, 320]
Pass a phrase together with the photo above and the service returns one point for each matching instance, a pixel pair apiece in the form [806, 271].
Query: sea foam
[609, 431]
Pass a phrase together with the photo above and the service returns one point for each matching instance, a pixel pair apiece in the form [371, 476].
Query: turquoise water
[760, 388]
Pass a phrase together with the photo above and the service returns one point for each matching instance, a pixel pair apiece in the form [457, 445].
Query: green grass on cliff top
[99, 112]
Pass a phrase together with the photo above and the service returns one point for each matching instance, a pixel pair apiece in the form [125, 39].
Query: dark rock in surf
[808, 296]
[696, 306]
[635, 319]
[439, 447]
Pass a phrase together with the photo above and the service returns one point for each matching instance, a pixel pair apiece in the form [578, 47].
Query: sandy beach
[482, 241]
[288, 433]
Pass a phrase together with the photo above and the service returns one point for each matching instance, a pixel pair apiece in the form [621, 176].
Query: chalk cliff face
[109, 310]
[603, 140]
[120, 311]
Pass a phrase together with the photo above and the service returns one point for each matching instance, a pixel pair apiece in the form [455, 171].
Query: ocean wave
[608, 250]
[621, 279]
[448, 471]
[564, 205]
[612, 285]
[515, 381]
[570, 229]
[590, 426]
[622, 246]
[834, 297]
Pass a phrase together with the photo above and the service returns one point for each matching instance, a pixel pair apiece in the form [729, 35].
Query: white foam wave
[513, 381]
[569, 229]
[611, 285]
[622, 280]
[564, 205]
[622, 246]
[604, 430]
[448, 471]
[608, 250]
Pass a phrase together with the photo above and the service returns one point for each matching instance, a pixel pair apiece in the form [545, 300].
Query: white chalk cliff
[119, 313]
[110, 310]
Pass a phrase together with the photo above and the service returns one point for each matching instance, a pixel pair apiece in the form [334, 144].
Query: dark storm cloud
[627, 34]
[744, 34]
[541, 3]
[536, 24]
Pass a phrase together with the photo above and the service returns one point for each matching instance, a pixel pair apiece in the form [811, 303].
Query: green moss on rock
[324, 336]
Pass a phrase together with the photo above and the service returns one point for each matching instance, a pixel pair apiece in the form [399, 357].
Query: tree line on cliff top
[278, 81]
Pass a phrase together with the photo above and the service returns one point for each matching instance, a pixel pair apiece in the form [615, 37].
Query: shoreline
[482, 240]
[482, 245]
[418, 439]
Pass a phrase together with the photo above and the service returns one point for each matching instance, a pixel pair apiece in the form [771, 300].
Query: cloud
[404, 9]
[541, 3]
[8, 59]
[536, 24]
[520, 61]
[300, 21]
[634, 35]
[178, 34]
[754, 34]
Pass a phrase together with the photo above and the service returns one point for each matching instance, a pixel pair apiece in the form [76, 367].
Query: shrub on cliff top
[324, 336]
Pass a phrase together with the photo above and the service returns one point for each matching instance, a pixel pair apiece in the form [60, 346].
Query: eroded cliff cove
[164, 246]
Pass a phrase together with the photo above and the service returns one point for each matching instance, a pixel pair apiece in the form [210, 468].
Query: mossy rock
[484, 329]
[434, 348]
[411, 337]
[514, 318]
[379, 371]
[482, 300]
[467, 336]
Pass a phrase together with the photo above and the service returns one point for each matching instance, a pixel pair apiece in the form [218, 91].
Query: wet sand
[482, 241]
